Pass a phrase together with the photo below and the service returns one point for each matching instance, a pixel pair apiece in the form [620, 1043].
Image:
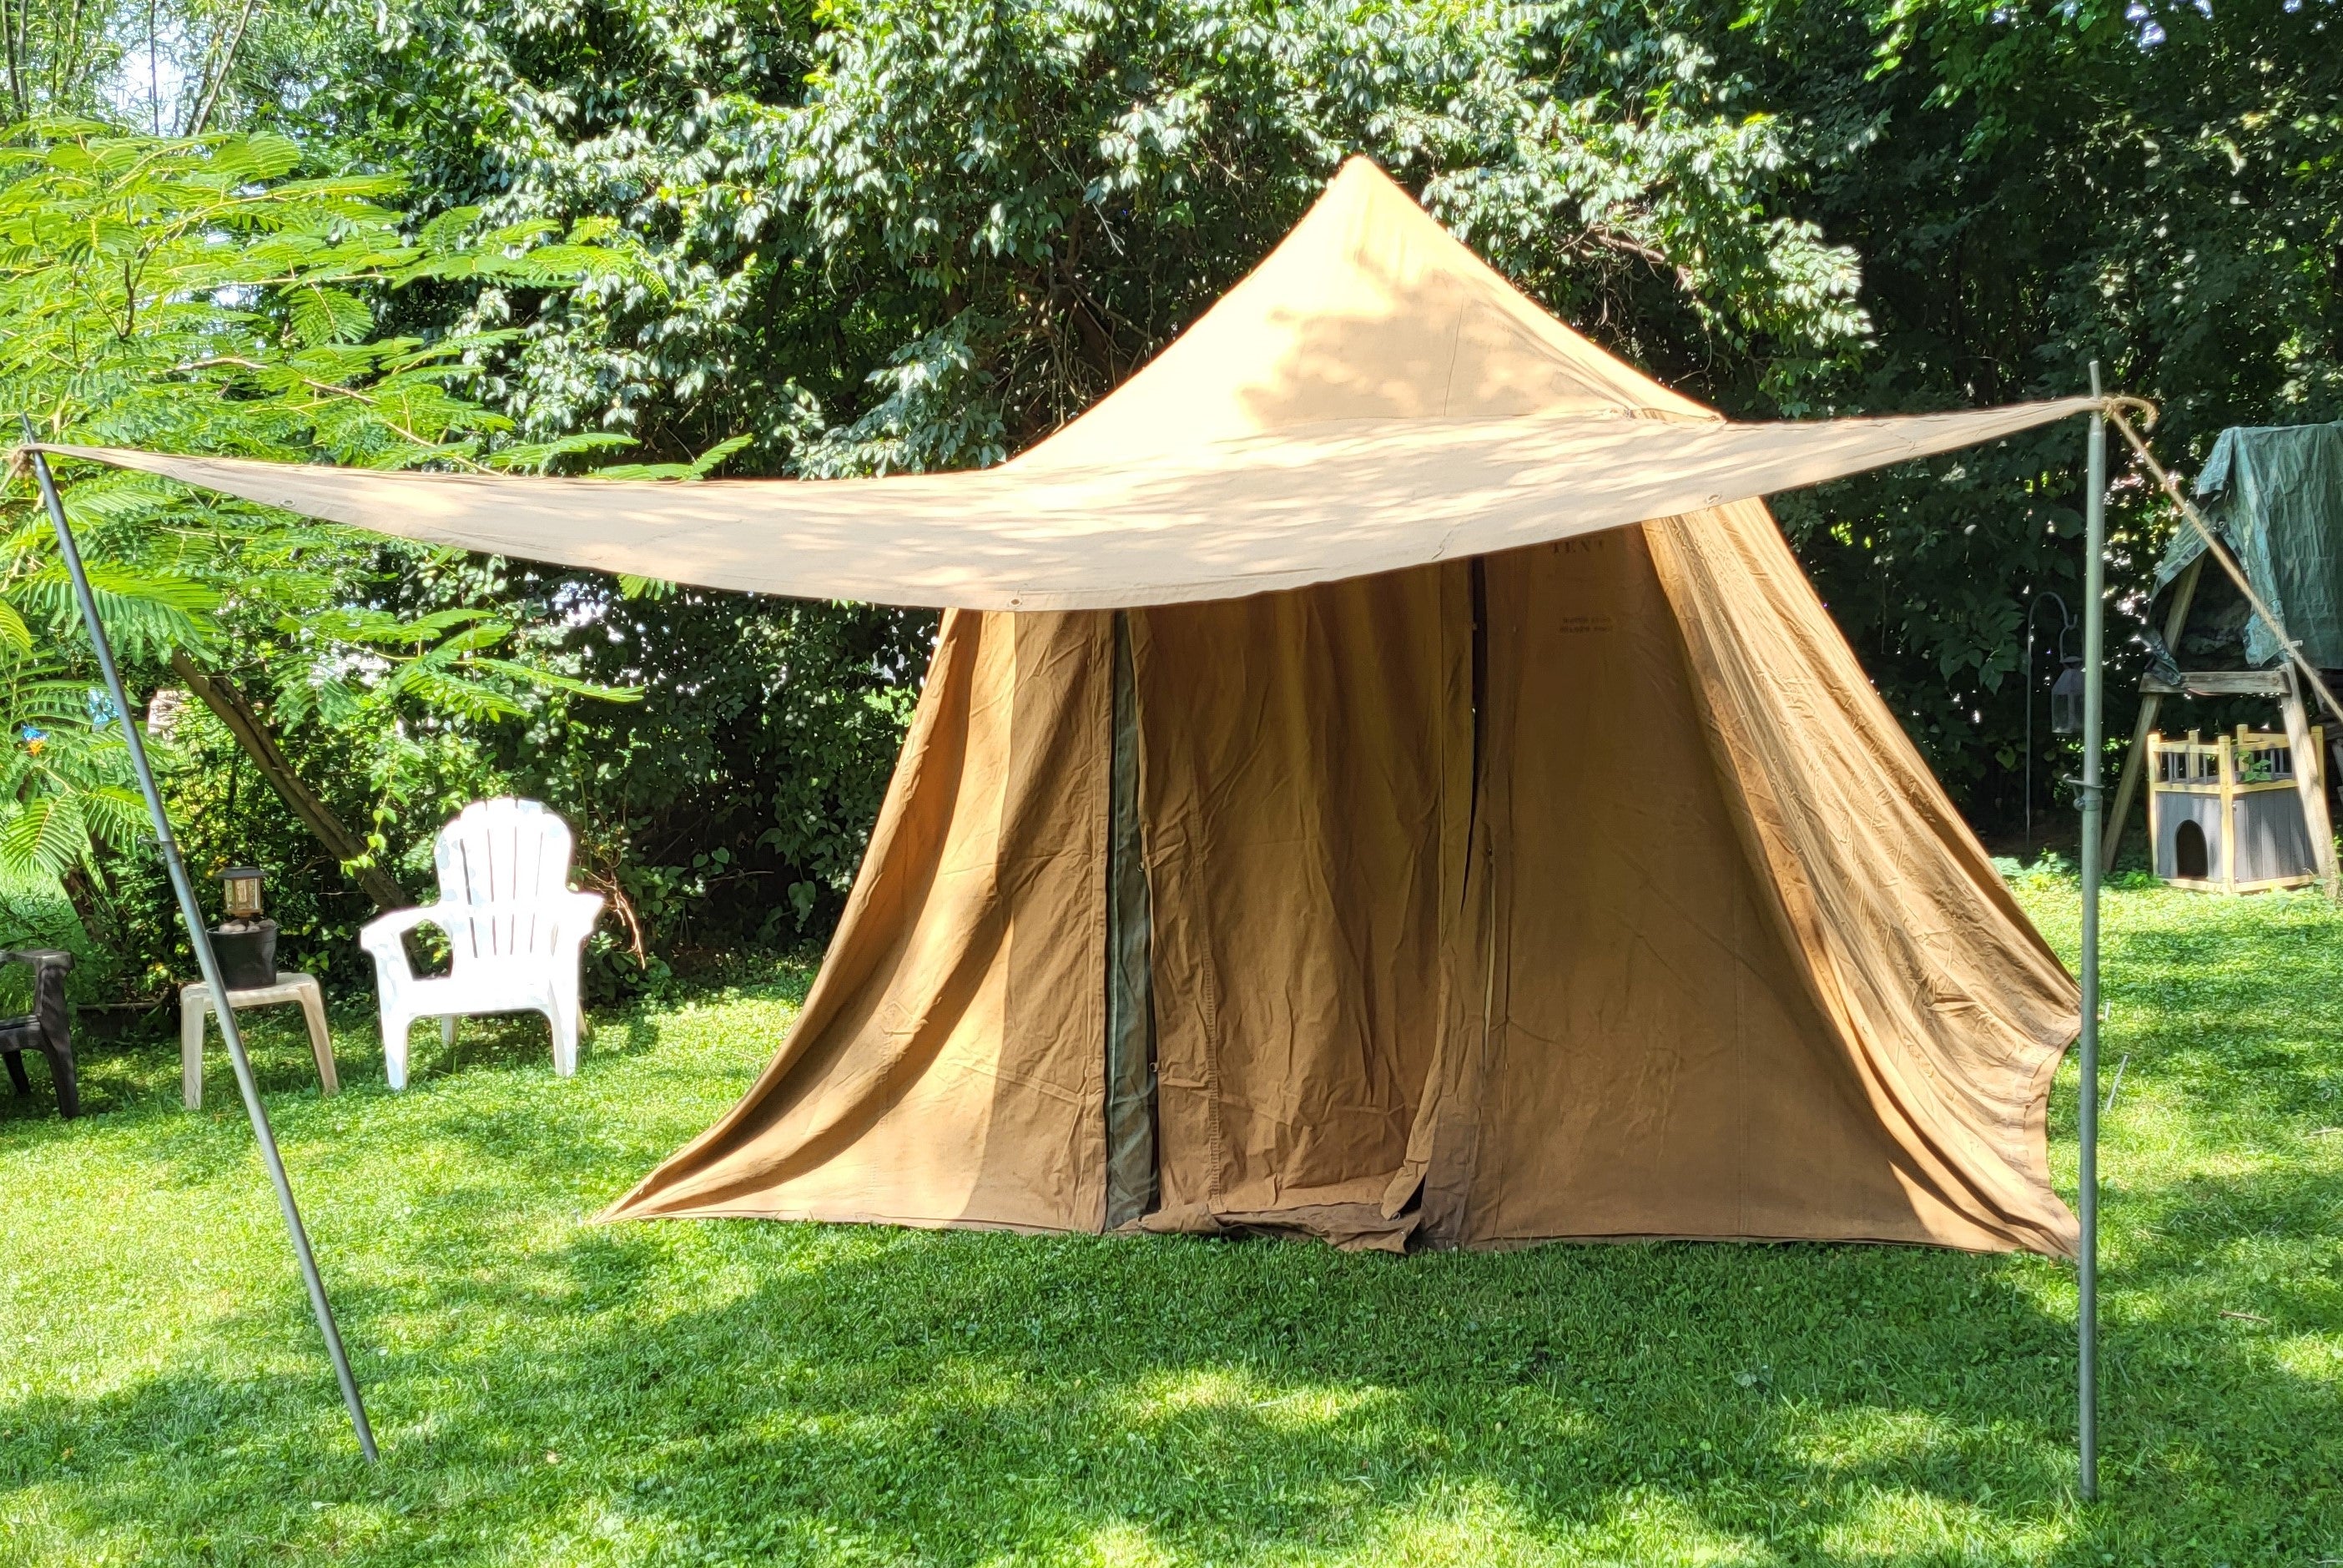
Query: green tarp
[2275, 495]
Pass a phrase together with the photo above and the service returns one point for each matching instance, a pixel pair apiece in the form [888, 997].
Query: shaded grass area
[553, 1392]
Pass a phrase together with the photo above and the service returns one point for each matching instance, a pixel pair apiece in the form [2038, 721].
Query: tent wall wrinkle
[1948, 1004]
[946, 1067]
[1650, 1064]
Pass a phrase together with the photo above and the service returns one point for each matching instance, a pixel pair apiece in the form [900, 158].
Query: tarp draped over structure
[2275, 495]
[1506, 874]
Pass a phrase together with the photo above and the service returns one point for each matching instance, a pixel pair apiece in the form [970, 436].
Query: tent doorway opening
[2188, 852]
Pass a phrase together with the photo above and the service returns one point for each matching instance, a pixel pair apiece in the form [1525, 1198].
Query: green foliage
[201, 295]
[727, 807]
[551, 1391]
[166, 66]
[209, 297]
[914, 234]
[898, 235]
[907, 234]
[64, 771]
[2031, 186]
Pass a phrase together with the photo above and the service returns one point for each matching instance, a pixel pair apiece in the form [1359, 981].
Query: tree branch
[218, 79]
[229, 706]
[329, 388]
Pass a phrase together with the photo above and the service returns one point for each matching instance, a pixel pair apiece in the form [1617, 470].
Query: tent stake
[2093, 616]
[200, 940]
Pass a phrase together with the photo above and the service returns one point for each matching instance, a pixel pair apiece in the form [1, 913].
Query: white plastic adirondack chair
[515, 926]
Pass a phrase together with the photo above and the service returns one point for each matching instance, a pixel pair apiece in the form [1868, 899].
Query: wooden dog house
[2226, 814]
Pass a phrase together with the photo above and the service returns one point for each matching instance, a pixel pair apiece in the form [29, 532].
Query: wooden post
[2175, 620]
[2228, 744]
[2155, 801]
[2310, 780]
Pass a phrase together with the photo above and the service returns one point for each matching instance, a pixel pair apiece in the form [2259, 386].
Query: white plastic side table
[195, 1005]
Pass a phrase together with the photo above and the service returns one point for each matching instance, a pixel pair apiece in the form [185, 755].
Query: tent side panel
[947, 1067]
[1303, 757]
[1653, 1064]
[1949, 1008]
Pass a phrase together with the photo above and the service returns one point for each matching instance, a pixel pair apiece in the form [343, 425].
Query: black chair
[45, 1030]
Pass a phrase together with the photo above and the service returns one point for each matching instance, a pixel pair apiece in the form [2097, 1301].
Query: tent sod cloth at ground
[550, 1391]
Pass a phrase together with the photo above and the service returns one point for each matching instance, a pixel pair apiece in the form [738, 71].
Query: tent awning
[1371, 396]
[1233, 519]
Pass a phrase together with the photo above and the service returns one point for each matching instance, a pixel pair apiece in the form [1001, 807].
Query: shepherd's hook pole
[200, 940]
[2093, 616]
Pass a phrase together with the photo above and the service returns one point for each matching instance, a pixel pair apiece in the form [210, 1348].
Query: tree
[2031, 186]
[930, 233]
[919, 233]
[193, 293]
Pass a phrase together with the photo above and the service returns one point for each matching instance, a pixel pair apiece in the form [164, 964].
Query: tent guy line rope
[2214, 547]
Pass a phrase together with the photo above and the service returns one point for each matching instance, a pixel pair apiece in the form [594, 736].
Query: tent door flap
[1130, 1156]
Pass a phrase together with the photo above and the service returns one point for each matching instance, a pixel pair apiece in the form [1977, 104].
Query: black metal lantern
[2068, 686]
[240, 892]
[245, 943]
[2066, 697]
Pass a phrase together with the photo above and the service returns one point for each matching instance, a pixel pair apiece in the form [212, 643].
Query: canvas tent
[1356, 829]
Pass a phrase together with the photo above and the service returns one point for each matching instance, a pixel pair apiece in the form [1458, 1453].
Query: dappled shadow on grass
[666, 1393]
[739, 1392]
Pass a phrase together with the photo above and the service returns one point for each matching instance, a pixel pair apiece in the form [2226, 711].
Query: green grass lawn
[552, 1391]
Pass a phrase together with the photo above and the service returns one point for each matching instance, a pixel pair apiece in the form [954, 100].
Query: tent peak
[1368, 309]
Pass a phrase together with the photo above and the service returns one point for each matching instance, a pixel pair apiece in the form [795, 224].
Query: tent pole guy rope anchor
[200, 940]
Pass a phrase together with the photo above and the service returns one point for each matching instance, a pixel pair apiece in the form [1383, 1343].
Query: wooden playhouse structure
[2245, 811]
[2228, 815]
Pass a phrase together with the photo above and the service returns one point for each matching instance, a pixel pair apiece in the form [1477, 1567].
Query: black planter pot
[246, 951]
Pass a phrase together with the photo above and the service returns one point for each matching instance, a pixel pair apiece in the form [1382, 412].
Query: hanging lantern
[240, 890]
[2066, 697]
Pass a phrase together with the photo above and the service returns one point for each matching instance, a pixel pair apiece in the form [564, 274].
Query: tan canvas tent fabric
[1420, 800]
[1657, 928]
[948, 1064]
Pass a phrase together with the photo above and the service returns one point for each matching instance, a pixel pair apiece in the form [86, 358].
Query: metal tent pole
[2095, 534]
[200, 940]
